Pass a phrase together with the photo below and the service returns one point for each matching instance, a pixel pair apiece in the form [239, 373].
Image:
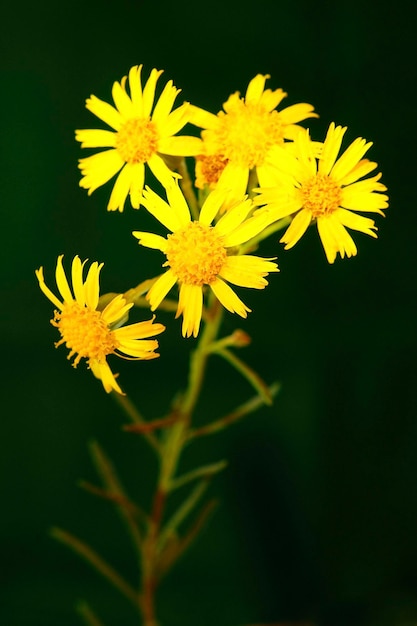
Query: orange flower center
[196, 254]
[137, 140]
[208, 169]
[84, 332]
[246, 132]
[321, 195]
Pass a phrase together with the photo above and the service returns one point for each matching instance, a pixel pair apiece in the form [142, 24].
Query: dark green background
[318, 511]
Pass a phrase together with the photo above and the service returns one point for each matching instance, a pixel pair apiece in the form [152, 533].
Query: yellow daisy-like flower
[141, 136]
[324, 189]
[240, 138]
[200, 254]
[91, 333]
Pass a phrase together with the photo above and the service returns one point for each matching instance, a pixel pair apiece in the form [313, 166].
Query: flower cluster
[254, 164]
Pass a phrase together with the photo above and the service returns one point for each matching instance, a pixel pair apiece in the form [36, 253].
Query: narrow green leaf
[248, 373]
[181, 513]
[88, 614]
[205, 471]
[116, 492]
[96, 561]
[241, 411]
[176, 547]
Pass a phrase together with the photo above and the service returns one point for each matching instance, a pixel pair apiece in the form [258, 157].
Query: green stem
[170, 452]
[199, 359]
[252, 182]
[188, 189]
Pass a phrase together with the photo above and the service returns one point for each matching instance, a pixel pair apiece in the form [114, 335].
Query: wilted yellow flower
[141, 136]
[200, 254]
[240, 138]
[91, 333]
[324, 189]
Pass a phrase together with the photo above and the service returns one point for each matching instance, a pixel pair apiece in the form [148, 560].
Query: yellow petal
[161, 171]
[349, 159]
[356, 222]
[271, 99]
[331, 147]
[201, 118]
[138, 348]
[122, 101]
[255, 88]
[105, 112]
[77, 280]
[165, 103]
[116, 310]
[150, 240]
[245, 231]
[247, 271]
[335, 238]
[364, 167]
[178, 204]
[140, 330]
[296, 229]
[175, 121]
[282, 159]
[160, 288]
[120, 189]
[92, 285]
[228, 298]
[234, 178]
[180, 146]
[96, 138]
[136, 184]
[48, 293]
[190, 305]
[99, 168]
[136, 89]
[363, 201]
[149, 92]
[61, 281]
[232, 219]
[102, 371]
[162, 211]
[212, 205]
[296, 113]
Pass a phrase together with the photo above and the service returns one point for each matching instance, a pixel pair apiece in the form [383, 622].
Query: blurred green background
[318, 507]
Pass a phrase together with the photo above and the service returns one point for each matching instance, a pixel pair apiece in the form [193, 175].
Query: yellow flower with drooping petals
[91, 333]
[325, 189]
[143, 134]
[240, 138]
[201, 254]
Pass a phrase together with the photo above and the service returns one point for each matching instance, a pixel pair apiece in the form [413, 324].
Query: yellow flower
[91, 333]
[240, 138]
[200, 254]
[140, 136]
[324, 189]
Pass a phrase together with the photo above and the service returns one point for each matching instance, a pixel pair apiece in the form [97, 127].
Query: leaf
[205, 471]
[175, 546]
[116, 493]
[88, 614]
[248, 373]
[96, 561]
